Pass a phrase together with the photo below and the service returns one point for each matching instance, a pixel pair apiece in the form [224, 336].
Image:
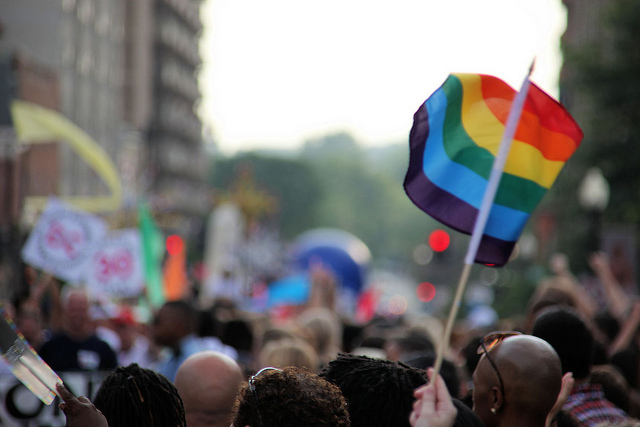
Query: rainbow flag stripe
[455, 137]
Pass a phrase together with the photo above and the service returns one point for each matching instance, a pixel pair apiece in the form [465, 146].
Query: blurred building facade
[125, 71]
[178, 166]
[81, 43]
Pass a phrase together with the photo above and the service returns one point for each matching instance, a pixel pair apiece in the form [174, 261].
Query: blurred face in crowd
[168, 327]
[29, 321]
[127, 335]
[77, 314]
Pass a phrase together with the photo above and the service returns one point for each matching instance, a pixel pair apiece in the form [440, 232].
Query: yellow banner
[35, 124]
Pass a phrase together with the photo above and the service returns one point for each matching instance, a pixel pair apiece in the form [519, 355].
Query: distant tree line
[335, 182]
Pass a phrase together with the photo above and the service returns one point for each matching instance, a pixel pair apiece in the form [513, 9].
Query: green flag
[153, 252]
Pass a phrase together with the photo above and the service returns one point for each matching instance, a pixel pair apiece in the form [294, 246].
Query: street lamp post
[593, 196]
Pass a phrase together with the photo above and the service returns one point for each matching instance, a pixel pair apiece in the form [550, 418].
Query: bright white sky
[280, 71]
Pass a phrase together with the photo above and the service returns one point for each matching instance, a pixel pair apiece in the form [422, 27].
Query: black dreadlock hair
[378, 392]
[138, 397]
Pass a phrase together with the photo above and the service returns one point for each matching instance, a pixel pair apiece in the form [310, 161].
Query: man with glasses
[516, 382]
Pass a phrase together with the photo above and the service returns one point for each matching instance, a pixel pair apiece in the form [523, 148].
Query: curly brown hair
[290, 398]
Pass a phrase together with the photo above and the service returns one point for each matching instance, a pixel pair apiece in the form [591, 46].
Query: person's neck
[78, 334]
[518, 420]
[581, 381]
[177, 347]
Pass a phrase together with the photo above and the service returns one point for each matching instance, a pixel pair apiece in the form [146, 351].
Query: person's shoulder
[98, 343]
[57, 344]
[214, 343]
[55, 339]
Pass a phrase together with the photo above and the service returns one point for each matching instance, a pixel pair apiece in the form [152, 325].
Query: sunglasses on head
[252, 387]
[490, 341]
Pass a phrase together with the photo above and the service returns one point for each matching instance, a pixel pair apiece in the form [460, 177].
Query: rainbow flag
[455, 137]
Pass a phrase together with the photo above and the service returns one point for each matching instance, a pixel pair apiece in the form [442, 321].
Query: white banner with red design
[116, 266]
[63, 240]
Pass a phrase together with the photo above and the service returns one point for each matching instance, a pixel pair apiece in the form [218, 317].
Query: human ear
[496, 398]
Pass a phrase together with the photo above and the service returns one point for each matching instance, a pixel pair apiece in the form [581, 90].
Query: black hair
[627, 361]
[465, 416]
[565, 419]
[470, 353]
[448, 370]
[207, 324]
[238, 334]
[351, 335]
[613, 385]
[372, 342]
[186, 312]
[378, 392]
[414, 342]
[608, 324]
[138, 397]
[19, 299]
[600, 356]
[569, 335]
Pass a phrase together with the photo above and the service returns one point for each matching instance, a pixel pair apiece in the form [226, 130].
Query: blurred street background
[138, 76]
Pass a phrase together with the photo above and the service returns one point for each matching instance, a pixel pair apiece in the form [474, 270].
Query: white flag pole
[483, 213]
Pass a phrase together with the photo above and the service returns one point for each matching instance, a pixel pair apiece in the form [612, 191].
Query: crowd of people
[573, 359]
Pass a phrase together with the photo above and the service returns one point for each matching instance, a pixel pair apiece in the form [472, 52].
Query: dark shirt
[64, 354]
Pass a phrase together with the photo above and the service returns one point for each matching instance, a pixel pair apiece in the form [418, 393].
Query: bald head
[77, 322]
[532, 376]
[208, 382]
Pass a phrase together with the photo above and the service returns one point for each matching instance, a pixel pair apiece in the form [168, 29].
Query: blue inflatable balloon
[346, 255]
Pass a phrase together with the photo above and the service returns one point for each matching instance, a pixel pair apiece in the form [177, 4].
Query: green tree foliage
[292, 182]
[601, 88]
[334, 182]
[610, 74]
[363, 194]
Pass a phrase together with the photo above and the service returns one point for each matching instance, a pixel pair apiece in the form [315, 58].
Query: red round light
[439, 240]
[426, 291]
[174, 244]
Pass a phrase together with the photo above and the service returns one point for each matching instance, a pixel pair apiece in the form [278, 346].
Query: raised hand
[433, 406]
[80, 412]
